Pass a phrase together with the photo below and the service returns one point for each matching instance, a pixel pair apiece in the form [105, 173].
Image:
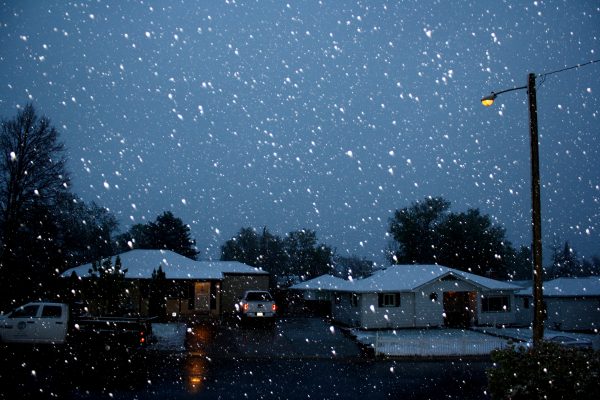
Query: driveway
[289, 338]
[298, 358]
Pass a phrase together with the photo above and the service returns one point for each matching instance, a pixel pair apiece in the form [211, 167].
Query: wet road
[296, 359]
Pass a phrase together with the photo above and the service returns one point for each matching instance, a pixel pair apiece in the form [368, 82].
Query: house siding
[523, 315]
[368, 315]
[343, 311]
[430, 296]
[386, 317]
[431, 312]
[428, 312]
[573, 313]
[417, 309]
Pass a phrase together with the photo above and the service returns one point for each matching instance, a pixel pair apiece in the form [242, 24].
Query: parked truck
[58, 323]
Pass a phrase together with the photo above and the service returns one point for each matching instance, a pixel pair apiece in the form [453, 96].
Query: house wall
[572, 313]
[431, 312]
[233, 286]
[523, 314]
[367, 314]
[343, 311]
[387, 317]
[424, 308]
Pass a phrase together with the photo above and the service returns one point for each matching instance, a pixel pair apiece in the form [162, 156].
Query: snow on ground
[429, 342]
[525, 334]
[169, 336]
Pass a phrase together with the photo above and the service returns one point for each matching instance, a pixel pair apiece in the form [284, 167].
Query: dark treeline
[46, 229]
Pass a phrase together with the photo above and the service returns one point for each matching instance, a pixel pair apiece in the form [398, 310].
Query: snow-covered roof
[523, 283]
[403, 278]
[141, 263]
[569, 287]
[323, 282]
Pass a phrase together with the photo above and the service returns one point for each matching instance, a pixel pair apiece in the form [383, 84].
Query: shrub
[547, 372]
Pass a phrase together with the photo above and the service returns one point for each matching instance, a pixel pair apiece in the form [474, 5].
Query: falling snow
[262, 114]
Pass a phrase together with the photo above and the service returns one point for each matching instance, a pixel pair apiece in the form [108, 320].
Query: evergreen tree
[244, 247]
[353, 266]
[167, 232]
[414, 230]
[519, 263]
[565, 262]
[306, 257]
[428, 233]
[86, 231]
[107, 287]
[470, 242]
[157, 304]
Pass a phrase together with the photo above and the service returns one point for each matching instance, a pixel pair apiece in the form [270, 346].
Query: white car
[562, 340]
[35, 323]
[256, 304]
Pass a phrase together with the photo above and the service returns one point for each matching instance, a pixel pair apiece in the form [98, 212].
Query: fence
[435, 346]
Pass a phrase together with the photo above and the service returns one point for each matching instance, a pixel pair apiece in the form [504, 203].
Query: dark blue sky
[326, 115]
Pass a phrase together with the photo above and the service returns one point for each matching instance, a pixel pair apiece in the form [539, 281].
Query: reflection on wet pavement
[198, 339]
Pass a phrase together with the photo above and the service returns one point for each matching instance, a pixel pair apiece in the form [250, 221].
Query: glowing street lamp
[536, 220]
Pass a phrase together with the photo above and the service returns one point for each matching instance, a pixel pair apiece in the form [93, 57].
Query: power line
[567, 68]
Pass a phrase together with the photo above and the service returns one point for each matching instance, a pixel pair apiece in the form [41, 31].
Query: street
[299, 358]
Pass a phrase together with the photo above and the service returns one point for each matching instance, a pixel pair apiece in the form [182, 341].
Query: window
[258, 296]
[354, 300]
[24, 312]
[52, 312]
[433, 297]
[389, 300]
[525, 302]
[495, 304]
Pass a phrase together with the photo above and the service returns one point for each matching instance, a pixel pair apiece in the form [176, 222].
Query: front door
[202, 297]
[457, 309]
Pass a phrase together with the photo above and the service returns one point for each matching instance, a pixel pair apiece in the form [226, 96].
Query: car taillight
[274, 307]
[245, 306]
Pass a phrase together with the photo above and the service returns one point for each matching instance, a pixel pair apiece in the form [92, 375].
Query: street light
[536, 220]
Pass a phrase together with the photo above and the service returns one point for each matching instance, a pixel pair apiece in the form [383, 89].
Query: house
[417, 296]
[194, 287]
[316, 295]
[571, 304]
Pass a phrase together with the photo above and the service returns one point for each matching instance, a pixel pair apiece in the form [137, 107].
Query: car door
[52, 324]
[21, 325]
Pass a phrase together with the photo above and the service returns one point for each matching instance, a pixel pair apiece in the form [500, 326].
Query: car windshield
[258, 296]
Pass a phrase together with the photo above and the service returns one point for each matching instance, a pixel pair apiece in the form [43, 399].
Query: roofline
[246, 273]
[579, 296]
[139, 278]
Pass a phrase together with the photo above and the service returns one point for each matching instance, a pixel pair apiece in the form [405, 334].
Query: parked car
[562, 340]
[256, 304]
[57, 323]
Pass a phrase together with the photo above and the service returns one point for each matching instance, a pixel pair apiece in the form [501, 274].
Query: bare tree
[32, 175]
